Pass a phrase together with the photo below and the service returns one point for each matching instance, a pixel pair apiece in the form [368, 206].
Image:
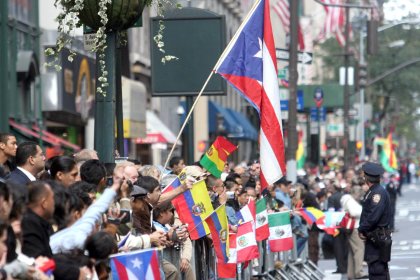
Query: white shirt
[27, 173]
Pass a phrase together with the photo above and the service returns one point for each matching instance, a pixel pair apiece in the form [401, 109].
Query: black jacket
[18, 177]
[36, 235]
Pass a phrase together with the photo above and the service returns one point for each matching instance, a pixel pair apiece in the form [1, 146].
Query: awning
[157, 131]
[46, 136]
[57, 139]
[230, 125]
[249, 130]
[27, 65]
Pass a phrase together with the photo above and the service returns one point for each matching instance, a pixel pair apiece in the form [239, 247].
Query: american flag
[334, 24]
[249, 64]
[281, 8]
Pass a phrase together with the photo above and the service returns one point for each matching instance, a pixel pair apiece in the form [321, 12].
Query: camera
[109, 181]
[127, 217]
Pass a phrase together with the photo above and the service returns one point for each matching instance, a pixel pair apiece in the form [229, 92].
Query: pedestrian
[340, 240]
[30, 161]
[374, 223]
[8, 147]
[392, 189]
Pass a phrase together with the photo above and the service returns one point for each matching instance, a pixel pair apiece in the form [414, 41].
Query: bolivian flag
[215, 158]
[300, 152]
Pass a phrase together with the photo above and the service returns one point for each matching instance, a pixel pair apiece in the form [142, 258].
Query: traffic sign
[303, 57]
[318, 96]
[284, 100]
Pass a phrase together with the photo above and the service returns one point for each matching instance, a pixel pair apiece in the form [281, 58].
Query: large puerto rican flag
[249, 64]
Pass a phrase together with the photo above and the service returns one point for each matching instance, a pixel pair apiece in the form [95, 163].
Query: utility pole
[292, 138]
[362, 98]
[346, 104]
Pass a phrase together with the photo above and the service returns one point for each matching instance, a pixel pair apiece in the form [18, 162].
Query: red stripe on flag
[268, 35]
[154, 263]
[121, 270]
[271, 128]
[284, 244]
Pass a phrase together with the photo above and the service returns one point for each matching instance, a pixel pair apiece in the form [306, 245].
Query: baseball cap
[138, 191]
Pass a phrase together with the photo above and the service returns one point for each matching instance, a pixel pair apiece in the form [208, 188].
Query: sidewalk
[328, 267]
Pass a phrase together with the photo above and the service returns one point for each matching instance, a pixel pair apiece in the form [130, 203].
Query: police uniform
[374, 225]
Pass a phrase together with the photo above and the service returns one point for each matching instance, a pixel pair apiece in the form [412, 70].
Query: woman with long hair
[64, 170]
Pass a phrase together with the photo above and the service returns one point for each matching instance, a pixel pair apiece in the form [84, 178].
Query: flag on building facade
[247, 213]
[215, 158]
[228, 270]
[280, 238]
[246, 245]
[136, 265]
[334, 24]
[261, 220]
[249, 64]
[192, 207]
[282, 9]
[219, 229]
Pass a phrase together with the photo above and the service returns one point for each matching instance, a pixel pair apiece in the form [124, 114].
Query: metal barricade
[279, 265]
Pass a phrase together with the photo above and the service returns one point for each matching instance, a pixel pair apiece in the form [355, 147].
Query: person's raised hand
[183, 265]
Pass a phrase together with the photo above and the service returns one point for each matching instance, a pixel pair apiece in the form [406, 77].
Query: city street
[405, 262]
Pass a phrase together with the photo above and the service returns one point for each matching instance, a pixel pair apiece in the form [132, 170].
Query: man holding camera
[374, 223]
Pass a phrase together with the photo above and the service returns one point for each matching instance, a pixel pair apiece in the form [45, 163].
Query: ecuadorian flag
[218, 225]
[215, 158]
[192, 206]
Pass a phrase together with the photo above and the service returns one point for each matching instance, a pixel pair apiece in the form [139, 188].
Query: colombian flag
[215, 158]
[192, 207]
[311, 214]
[218, 225]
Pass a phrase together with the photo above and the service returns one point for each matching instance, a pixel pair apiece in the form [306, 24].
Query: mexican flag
[261, 221]
[246, 245]
[280, 238]
[215, 158]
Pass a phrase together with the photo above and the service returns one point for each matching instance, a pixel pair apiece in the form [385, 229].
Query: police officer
[375, 222]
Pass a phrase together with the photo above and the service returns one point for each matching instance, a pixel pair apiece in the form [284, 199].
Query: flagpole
[187, 119]
[229, 46]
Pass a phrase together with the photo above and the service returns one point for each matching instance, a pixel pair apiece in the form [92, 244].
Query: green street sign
[283, 74]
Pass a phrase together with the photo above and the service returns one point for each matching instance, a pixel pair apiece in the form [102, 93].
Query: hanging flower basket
[102, 16]
[121, 14]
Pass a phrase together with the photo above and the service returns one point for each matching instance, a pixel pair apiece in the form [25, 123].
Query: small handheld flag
[215, 158]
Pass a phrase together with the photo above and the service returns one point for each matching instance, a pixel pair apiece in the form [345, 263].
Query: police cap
[138, 191]
[283, 181]
[373, 169]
